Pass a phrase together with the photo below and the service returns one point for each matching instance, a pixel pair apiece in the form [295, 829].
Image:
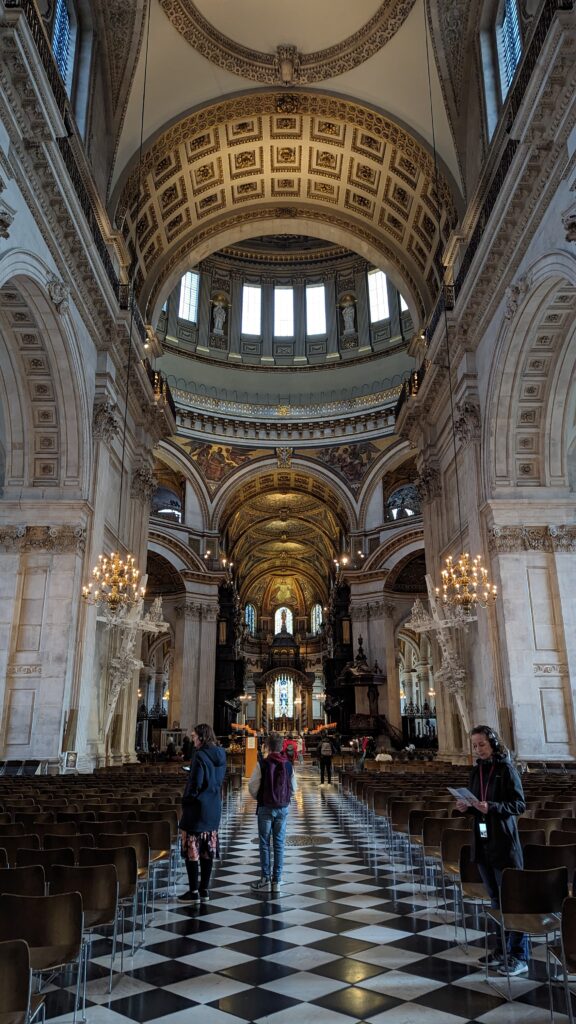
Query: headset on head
[491, 736]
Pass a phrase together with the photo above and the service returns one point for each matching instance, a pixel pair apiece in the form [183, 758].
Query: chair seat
[556, 950]
[536, 924]
[452, 868]
[13, 1017]
[99, 918]
[474, 891]
[44, 958]
[159, 855]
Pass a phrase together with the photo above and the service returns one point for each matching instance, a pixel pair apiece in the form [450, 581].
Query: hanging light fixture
[115, 586]
[465, 584]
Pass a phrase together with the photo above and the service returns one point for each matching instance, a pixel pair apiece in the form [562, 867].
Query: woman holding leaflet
[499, 799]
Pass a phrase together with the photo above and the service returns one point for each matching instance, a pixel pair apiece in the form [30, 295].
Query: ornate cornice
[287, 66]
[56, 539]
[515, 539]
[197, 610]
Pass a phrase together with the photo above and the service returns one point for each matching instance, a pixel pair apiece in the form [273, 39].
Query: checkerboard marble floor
[341, 945]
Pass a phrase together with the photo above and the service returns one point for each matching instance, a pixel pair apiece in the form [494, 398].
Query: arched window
[501, 48]
[250, 618]
[316, 619]
[402, 503]
[283, 616]
[378, 296]
[284, 696]
[188, 305]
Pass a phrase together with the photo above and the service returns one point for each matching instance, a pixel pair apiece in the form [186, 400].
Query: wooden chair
[52, 927]
[29, 881]
[47, 858]
[98, 887]
[17, 1003]
[14, 843]
[564, 953]
[124, 860]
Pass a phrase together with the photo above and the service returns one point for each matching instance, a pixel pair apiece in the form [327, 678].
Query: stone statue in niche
[348, 315]
[219, 316]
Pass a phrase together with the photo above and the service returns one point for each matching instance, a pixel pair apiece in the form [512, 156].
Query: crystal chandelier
[465, 584]
[115, 584]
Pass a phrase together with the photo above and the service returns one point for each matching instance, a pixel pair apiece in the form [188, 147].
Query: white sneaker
[276, 885]
[261, 885]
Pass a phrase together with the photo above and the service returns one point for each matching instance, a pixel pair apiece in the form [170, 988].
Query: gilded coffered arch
[534, 380]
[306, 164]
[287, 64]
[283, 541]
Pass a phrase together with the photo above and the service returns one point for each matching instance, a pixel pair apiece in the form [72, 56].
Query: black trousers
[325, 766]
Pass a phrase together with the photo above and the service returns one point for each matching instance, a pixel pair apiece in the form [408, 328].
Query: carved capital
[284, 457]
[56, 539]
[105, 426]
[389, 609]
[143, 484]
[468, 424]
[60, 295]
[429, 482]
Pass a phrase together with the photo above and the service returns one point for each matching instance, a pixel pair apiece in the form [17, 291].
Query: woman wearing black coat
[495, 841]
[201, 812]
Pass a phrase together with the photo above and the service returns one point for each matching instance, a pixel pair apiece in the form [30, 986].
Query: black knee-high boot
[192, 871]
[205, 873]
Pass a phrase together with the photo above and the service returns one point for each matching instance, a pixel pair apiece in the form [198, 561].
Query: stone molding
[24, 670]
[569, 225]
[429, 482]
[55, 539]
[197, 610]
[287, 66]
[468, 422]
[369, 610]
[550, 669]
[515, 295]
[7, 215]
[105, 426]
[143, 484]
[514, 539]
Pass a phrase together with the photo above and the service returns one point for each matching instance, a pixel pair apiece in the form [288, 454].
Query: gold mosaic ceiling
[282, 536]
[269, 162]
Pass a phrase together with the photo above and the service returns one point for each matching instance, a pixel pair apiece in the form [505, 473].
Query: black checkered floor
[341, 945]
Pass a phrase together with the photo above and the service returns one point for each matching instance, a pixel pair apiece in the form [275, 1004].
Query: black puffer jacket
[505, 798]
[202, 800]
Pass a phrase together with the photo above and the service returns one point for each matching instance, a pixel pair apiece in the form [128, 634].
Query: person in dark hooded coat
[201, 812]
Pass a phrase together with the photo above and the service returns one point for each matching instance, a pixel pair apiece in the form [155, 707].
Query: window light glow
[315, 309]
[378, 296]
[284, 312]
[251, 309]
[189, 287]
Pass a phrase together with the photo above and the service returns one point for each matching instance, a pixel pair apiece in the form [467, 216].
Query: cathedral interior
[287, 320]
[287, 443]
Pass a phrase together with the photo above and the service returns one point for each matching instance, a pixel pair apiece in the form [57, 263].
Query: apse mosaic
[351, 460]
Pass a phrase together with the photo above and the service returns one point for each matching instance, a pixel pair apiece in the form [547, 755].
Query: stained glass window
[250, 617]
[284, 697]
[316, 619]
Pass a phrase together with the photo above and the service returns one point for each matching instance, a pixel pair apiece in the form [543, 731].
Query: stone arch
[391, 458]
[167, 546]
[317, 163]
[302, 477]
[175, 457]
[45, 401]
[532, 380]
[402, 544]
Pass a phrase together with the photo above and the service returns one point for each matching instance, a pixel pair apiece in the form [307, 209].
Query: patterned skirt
[197, 846]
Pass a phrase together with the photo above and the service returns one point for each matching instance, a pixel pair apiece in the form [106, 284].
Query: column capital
[468, 422]
[429, 481]
[514, 539]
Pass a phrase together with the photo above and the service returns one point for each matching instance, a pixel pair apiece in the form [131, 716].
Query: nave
[339, 946]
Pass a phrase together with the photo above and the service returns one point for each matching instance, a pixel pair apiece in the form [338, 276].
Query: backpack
[276, 786]
[326, 749]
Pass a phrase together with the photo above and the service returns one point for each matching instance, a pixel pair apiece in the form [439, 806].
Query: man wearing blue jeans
[272, 784]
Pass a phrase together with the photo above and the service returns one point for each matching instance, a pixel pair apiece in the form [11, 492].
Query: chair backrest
[548, 824]
[3, 856]
[416, 819]
[13, 828]
[115, 815]
[124, 860]
[5, 817]
[533, 892]
[451, 842]
[74, 843]
[43, 921]
[469, 872]
[400, 809]
[14, 843]
[47, 858]
[75, 816]
[15, 978]
[98, 828]
[568, 824]
[34, 817]
[544, 857]
[54, 828]
[532, 837]
[29, 881]
[97, 885]
[138, 840]
[556, 838]
[158, 832]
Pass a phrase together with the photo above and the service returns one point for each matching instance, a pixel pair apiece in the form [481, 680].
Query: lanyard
[484, 788]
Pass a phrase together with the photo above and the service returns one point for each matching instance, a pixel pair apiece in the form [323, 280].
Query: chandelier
[465, 584]
[115, 584]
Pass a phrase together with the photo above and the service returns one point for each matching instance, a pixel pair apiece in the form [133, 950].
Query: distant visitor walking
[272, 784]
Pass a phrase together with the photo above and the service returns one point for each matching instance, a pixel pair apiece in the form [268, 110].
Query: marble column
[186, 661]
[392, 709]
[207, 663]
